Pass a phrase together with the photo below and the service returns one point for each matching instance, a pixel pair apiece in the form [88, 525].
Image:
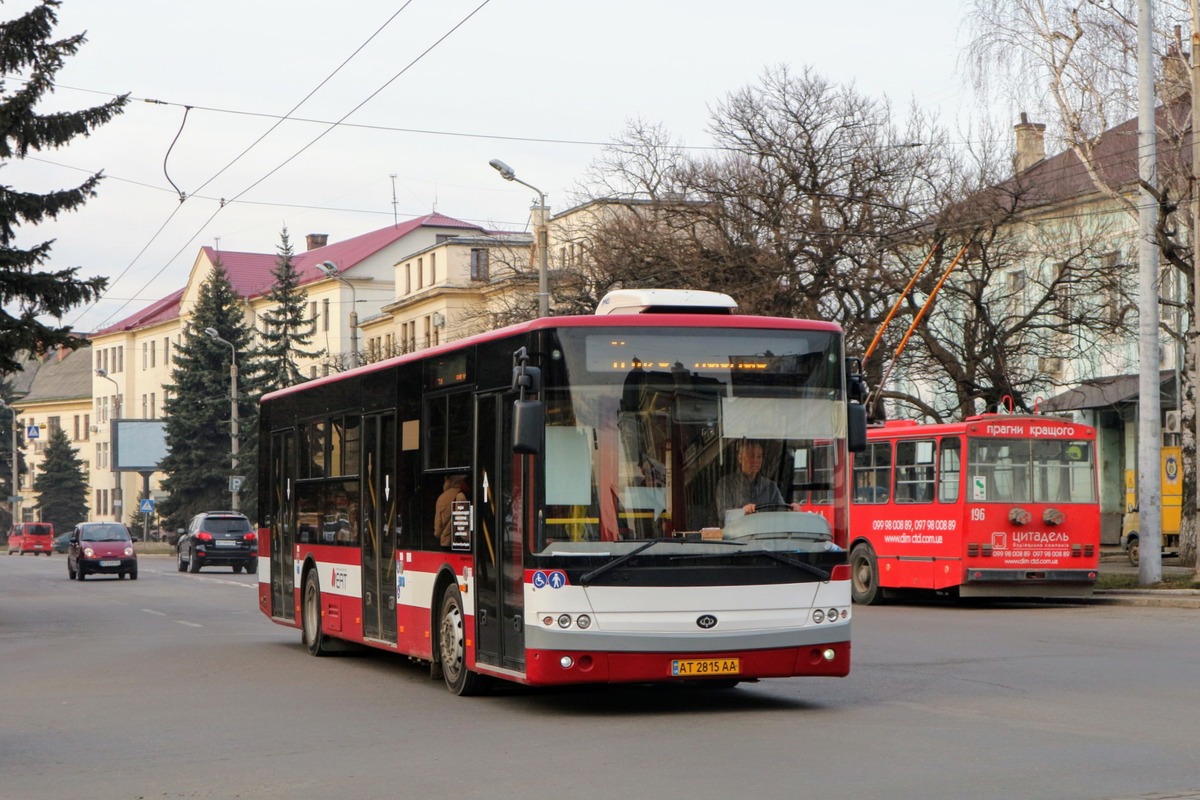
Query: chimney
[1031, 143]
[1177, 76]
[315, 240]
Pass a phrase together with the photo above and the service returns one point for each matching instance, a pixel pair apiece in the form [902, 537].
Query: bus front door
[378, 535]
[283, 526]
[497, 545]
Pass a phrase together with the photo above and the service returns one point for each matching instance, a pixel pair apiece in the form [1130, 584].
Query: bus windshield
[643, 426]
[1031, 470]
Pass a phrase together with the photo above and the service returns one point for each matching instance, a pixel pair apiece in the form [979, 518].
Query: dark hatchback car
[62, 542]
[218, 539]
[101, 547]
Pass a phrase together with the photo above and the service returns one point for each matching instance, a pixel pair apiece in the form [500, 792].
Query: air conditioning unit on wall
[1172, 423]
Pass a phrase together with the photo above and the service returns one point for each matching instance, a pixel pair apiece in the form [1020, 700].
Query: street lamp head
[212, 332]
[102, 373]
[329, 269]
[505, 170]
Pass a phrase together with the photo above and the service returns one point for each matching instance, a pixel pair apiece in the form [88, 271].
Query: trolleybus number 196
[701, 666]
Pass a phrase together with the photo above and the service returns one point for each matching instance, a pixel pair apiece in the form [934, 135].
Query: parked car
[31, 537]
[218, 539]
[62, 542]
[101, 547]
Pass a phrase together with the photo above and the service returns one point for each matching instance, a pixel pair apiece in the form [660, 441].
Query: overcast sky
[429, 97]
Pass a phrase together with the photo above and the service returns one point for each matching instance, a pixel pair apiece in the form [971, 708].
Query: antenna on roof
[395, 213]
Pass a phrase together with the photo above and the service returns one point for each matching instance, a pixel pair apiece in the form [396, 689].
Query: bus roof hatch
[665, 301]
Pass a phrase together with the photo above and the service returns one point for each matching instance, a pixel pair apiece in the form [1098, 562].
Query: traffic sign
[235, 483]
[32, 432]
[147, 505]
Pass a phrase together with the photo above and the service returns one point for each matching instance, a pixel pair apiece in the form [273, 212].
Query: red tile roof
[250, 273]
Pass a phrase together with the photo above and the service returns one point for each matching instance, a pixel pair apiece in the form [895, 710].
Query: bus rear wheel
[314, 640]
[864, 576]
[452, 646]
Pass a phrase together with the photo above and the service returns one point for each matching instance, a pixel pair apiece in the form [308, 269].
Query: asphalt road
[174, 686]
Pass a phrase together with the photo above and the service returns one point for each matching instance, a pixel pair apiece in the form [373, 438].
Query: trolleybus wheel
[452, 646]
[864, 576]
[314, 640]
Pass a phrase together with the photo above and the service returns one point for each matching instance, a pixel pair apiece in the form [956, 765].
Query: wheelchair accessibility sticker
[554, 579]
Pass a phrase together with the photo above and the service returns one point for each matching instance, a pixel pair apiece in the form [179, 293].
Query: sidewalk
[1113, 561]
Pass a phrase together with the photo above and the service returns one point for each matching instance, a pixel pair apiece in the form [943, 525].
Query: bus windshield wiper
[616, 562]
[782, 559]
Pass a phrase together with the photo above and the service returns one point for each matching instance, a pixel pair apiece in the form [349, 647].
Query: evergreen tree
[197, 408]
[61, 485]
[29, 292]
[287, 329]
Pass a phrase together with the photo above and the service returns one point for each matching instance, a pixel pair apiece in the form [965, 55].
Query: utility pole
[1149, 383]
[1193, 339]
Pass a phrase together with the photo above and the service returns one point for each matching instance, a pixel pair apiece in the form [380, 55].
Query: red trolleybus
[998, 506]
[537, 504]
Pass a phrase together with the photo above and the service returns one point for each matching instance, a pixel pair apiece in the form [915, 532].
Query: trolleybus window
[914, 471]
[1063, 472]
[949, 470]
[873, 473]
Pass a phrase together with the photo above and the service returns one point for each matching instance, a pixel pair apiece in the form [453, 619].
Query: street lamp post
[543, 233]
[330, 270]
[118, 499]
[15, 496]
[233, 414]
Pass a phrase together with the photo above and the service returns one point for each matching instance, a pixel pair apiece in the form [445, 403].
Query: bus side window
[873, 473]
[914, 471]
[950, 470]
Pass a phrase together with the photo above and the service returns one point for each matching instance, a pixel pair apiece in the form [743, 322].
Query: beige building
[59, 398]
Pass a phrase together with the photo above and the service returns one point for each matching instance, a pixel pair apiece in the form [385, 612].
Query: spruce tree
[197, 409]
[61, 484]
[287, 329]
[30, 292]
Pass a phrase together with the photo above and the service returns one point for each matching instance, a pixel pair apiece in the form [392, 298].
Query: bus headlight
[564, 620]
[818, 616]
[584, 621]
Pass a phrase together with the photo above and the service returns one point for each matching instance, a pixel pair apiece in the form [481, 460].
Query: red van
[31, 537]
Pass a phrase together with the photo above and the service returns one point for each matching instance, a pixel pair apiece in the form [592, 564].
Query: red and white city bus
[1001, 506]
[583, 545]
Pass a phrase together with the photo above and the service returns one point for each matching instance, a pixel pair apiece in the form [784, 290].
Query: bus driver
[747, 488]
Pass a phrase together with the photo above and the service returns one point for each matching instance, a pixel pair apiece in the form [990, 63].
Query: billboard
[138, 444]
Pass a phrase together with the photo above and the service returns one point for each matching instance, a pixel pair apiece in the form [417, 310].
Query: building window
[432, 269]
[479, 263]
[312, 310]
[152, 414]
[325, 314]
[408, 278]
[166, 351]
[1014, 285]
[420, 273]
[152, 349]
[428, 332]
[145, 355]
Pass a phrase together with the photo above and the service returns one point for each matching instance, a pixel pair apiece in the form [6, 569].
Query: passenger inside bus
[453, 488]
[745, 489]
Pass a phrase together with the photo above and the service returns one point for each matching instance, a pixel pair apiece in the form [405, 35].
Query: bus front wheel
[864, 576]
[452, 646]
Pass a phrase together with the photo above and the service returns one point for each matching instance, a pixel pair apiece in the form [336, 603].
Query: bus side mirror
[529, 420]
[856, 427]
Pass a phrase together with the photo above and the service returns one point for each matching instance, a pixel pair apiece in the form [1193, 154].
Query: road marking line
[156, 613]
[189, 624]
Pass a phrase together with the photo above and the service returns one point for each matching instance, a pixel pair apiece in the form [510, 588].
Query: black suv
[218, 539]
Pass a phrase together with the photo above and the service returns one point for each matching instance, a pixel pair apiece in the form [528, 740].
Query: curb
[1150, 598]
